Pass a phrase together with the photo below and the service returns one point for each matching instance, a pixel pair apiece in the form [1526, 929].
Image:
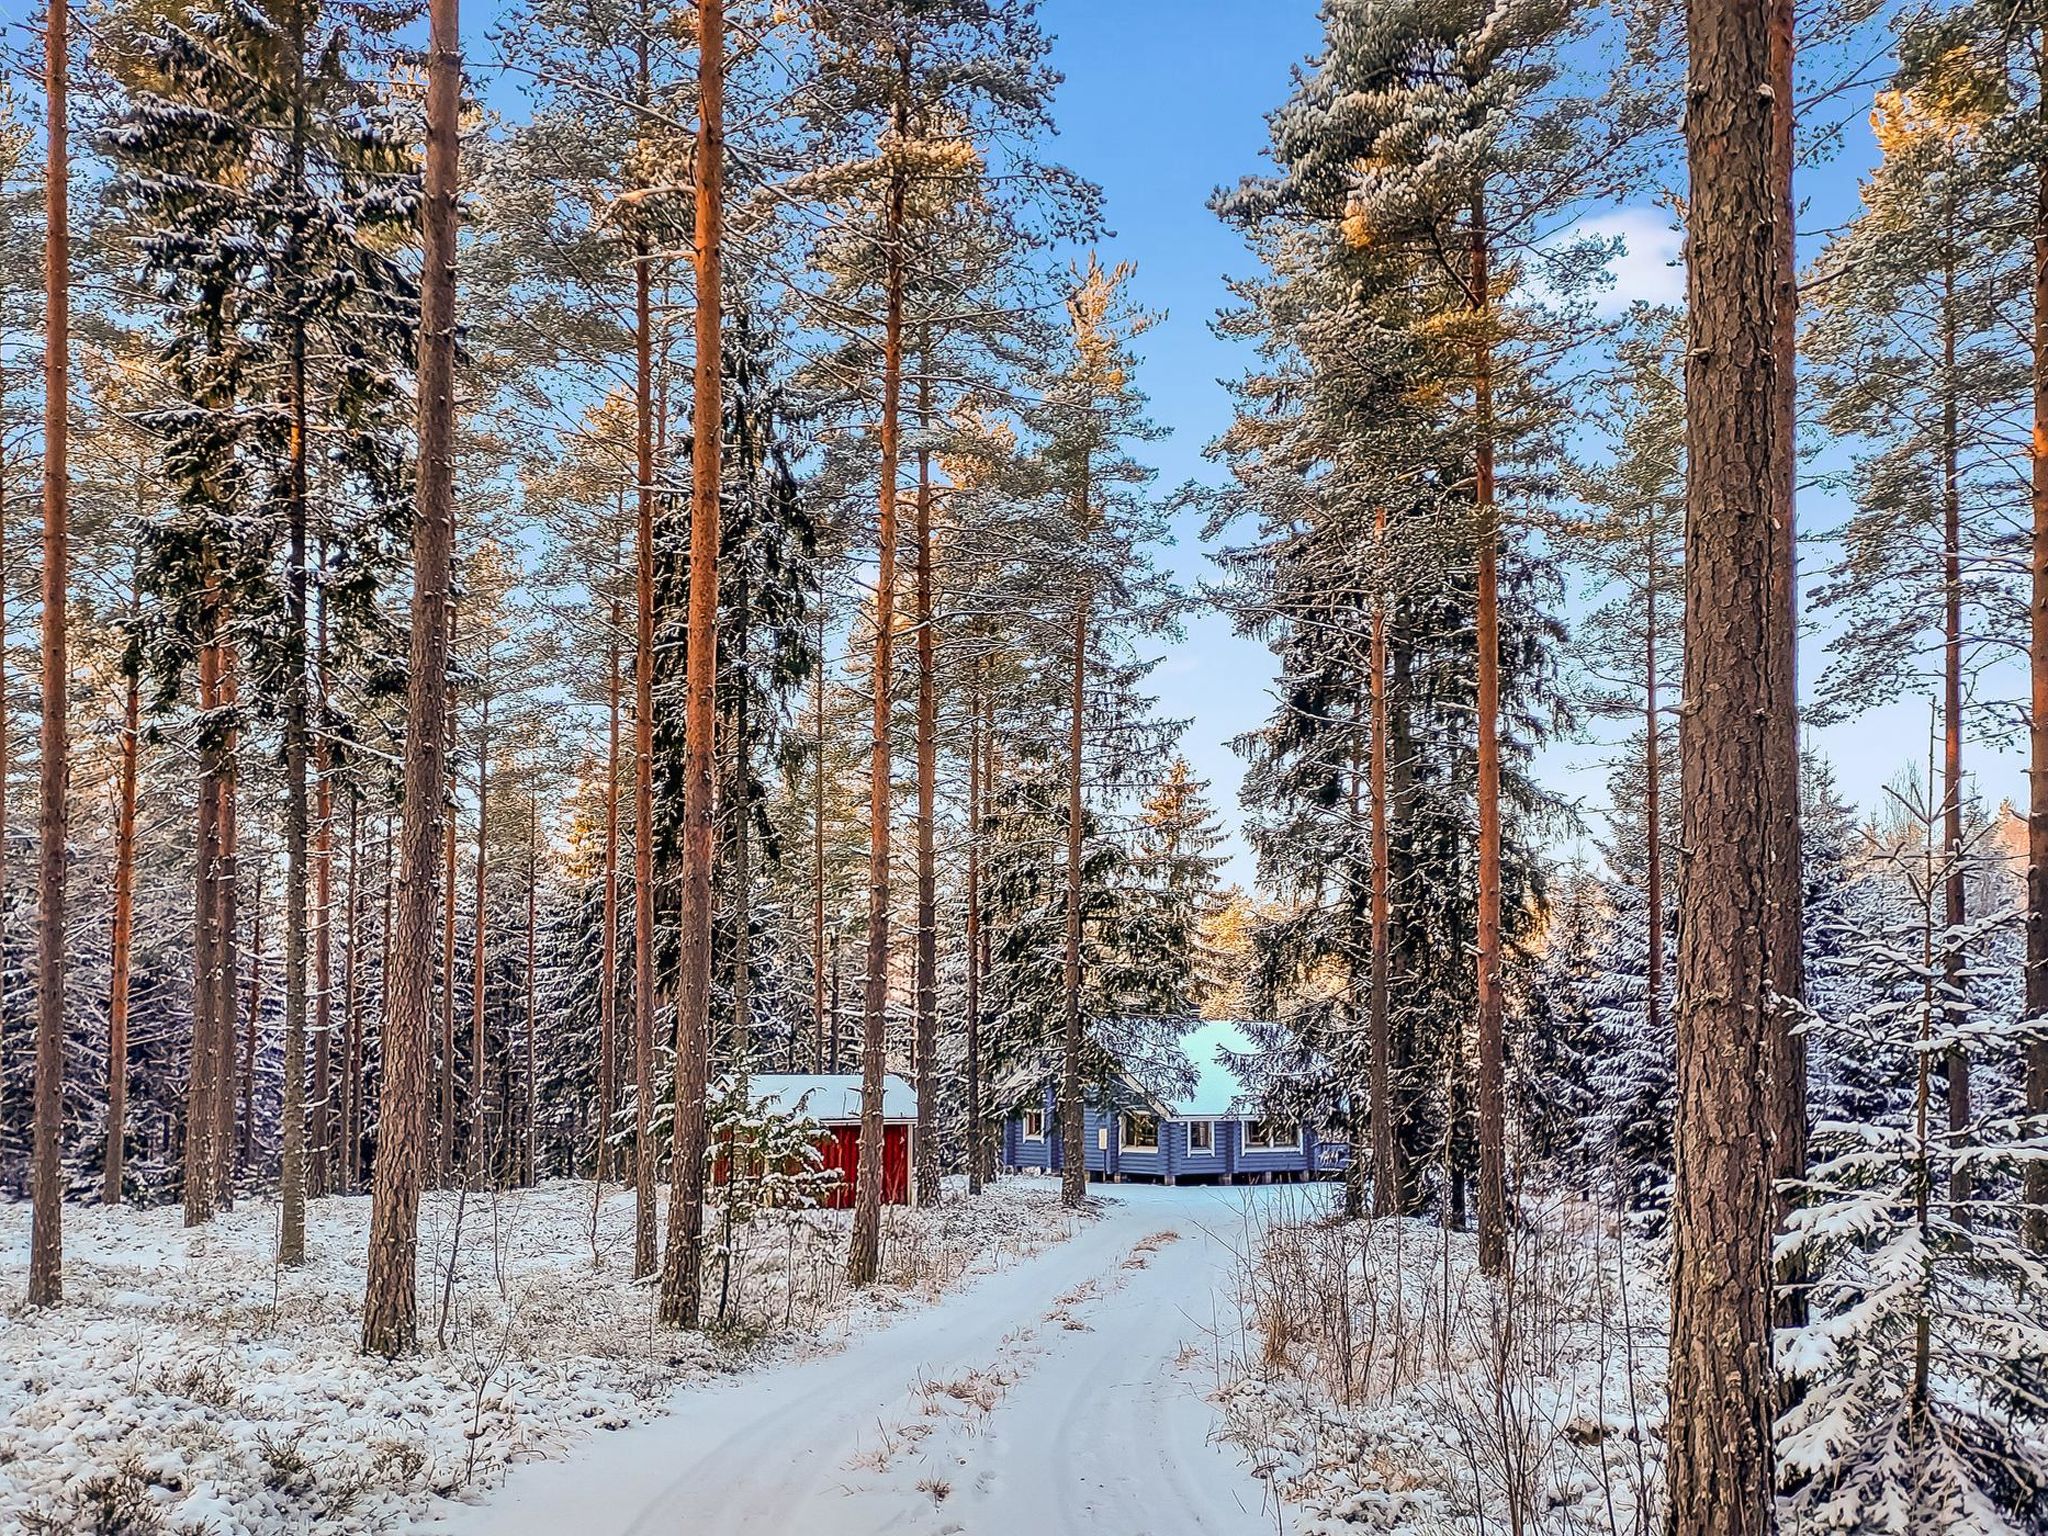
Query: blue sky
[1164, 100]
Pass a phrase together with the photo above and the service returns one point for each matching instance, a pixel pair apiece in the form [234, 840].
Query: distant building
[833, 1100]
[1202, 1125]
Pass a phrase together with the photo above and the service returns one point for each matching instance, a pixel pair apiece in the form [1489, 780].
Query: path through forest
[1062, 1397]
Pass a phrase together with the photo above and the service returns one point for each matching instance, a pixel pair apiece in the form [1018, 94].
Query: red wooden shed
[833, 1100]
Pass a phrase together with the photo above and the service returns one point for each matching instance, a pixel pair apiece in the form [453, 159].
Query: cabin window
[1034, 1125]
[1201, 1135]
[1141, 1133]
[1272, 1136]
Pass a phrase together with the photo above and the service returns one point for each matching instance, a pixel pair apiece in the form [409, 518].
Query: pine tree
[1720, 1463]
[248, 147]
[390, 1297]
[1911, 337]
[46, 1178]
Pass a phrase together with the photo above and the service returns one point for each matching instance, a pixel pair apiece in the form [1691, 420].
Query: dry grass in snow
[1382, 1384]
[190, 1385]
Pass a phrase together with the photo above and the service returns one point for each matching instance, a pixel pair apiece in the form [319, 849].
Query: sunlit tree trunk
[864, 1253]
[1381, 1110]
[123, 940]
[46, 1171]
[1492, 1095]
[604, 1162]
[682, 1276]
[390, 1301]
[925, 979]
[2036, 1187]
[1722, 1398]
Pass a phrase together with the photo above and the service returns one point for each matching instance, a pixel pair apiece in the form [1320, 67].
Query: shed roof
[831, 1098]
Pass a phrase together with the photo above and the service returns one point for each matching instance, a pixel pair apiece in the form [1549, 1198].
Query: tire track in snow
[1093, 1426]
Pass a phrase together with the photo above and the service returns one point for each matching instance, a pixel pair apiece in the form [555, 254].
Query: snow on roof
[831, 1097]
[1192, 1077]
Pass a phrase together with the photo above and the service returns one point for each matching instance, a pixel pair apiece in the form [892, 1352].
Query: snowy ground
[190, 1385]
[1384, 1385]
[1068, 1395]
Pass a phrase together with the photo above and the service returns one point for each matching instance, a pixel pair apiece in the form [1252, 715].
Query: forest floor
[189, 1384]
[1068, 1395]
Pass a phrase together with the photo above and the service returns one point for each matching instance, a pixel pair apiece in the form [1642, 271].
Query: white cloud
[1647, 267]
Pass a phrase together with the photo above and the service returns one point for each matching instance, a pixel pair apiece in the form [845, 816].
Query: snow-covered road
[1062, 1397]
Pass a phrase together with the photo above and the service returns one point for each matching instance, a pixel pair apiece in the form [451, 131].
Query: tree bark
[390, 1299]
[2035, 1190]
[1386, 1145]
[480, 928]
[682, 1277]
[351, 1002]
[818, 850]
[204, 1067]
[925, 980]
[124, 920]
[529, 1167]
[246, 1147]
[46, 1173]
[1073, 1142]
[1956, 1064]
[1786, 890]
[320, 1171]
[228, 968]
[445, 1151]
[291, 1246]
[1722, 1400]
[973, 955]
[1492, 1095]
[645, 1257]
[864, 1253]
[604, 1162]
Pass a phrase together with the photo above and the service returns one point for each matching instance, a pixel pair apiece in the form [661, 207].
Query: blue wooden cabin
[1214, 1134]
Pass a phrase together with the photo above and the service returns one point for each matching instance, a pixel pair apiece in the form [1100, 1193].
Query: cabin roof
[830, 1098]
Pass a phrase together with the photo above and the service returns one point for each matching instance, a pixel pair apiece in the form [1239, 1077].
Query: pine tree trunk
[818, 853]
[531, 1168]
[292, 1180]
[1386, 1145]
[246, 1147]
[6, 737]
[1720, 1446]
[320, 1170]
[742, 1051]
[480, 934]
[1653, 799]
[2036, 1002]
[645, 1257]
[1786, 890]
[682, 1277]
[124, 920]
[864, 1253]
[604, 1162]
[46, 1173]
[351, 1008]
[1956, 1064]
[390, 1298]
[204, 1064]
[925, 981]
[228, 967]
[445, 1153]
[1073, 1141]
[973, 955]
[1493, 1184]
